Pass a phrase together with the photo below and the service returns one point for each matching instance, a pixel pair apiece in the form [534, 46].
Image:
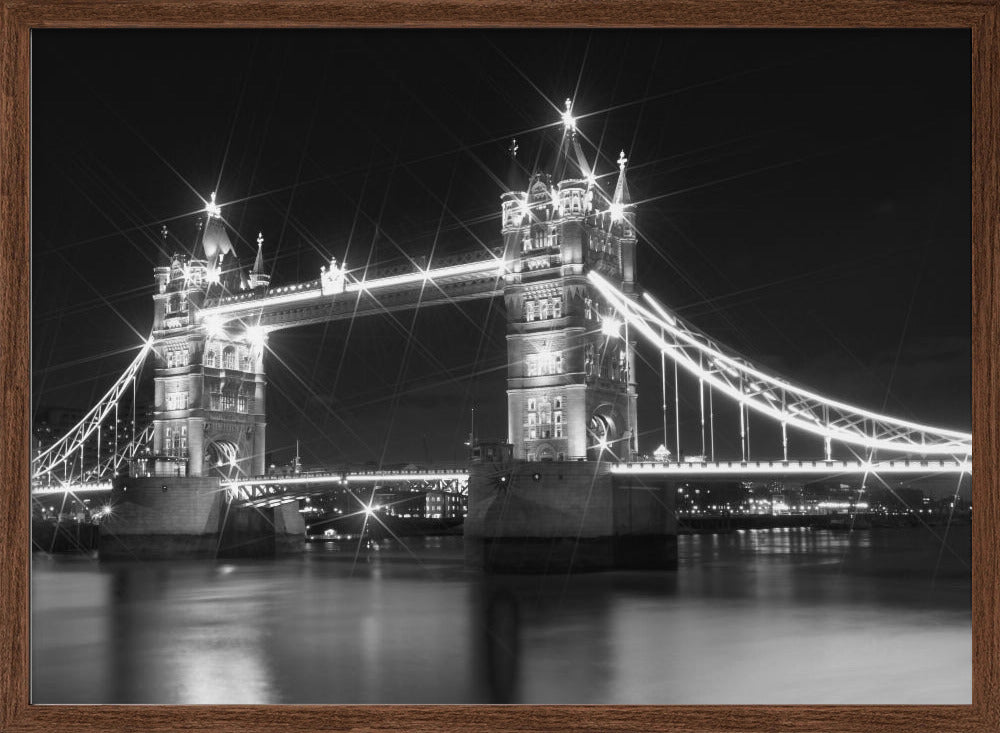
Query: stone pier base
[562, 517]
[190, 517]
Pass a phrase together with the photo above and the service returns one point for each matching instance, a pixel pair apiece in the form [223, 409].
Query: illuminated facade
[570, 386]
[209, 406]
[570, 389]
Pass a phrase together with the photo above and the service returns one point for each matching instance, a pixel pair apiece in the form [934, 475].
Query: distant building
[444, 505]
[494, 452]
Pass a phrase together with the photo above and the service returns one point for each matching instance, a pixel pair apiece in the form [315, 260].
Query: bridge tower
[209, 410]
[571, 392]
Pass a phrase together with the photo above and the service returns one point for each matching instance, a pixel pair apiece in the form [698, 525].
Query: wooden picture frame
[19, 17]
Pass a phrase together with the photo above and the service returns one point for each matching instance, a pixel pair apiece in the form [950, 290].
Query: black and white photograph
[616, 367]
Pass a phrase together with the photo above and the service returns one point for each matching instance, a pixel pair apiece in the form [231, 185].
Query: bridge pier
[527, 517]
[164, 517]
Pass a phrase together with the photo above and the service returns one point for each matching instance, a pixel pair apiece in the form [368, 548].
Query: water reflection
[786, 616]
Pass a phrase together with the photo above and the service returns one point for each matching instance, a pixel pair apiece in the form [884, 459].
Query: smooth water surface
[772, 616]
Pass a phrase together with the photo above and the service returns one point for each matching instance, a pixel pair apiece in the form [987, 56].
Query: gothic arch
[222, 459]
[604, 433]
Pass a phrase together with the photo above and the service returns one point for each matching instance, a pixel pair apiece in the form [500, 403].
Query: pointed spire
[515, 173]
[163, 258]
[258, 277]
[560, 164]
[213, 209]
[199, 225]
[215, 240]
[570, 162]
[569, 121]
[621, 189]
[258, 264]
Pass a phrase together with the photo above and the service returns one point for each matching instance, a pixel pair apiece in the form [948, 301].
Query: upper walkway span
[337, 295]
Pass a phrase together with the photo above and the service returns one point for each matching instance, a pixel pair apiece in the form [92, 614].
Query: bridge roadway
[273, 490]
[452, 279]
[265, 489]
[737, 470]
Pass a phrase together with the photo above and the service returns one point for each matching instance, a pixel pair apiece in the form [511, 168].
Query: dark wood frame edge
[18, 17]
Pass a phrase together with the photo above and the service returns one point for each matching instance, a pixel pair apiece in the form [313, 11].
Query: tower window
[551, 239]
[229, 358]
[558, 403]
[177, 356]
[530, 312]
[545, 413]
[557, 307]
[175, 441]
[532, 404]
[543, 363]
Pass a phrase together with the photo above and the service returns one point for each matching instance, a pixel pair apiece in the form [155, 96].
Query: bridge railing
[793, 466]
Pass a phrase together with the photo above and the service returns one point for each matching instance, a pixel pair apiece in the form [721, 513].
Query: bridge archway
[544, 452]
[604, 432]
[222, 459]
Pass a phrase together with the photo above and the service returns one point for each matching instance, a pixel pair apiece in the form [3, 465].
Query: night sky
[804, 200]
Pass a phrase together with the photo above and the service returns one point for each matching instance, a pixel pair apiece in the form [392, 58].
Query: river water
[769, 616]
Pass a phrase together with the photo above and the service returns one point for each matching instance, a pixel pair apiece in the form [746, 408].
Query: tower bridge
[566, 271]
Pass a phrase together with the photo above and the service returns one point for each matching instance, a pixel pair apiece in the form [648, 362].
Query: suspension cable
[849, 424]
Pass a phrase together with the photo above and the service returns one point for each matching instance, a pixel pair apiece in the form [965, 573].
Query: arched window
[229, 358]
[210, 360]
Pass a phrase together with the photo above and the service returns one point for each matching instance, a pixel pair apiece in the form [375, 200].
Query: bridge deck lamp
[257, 336]
[214, 327]
[611, 327]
